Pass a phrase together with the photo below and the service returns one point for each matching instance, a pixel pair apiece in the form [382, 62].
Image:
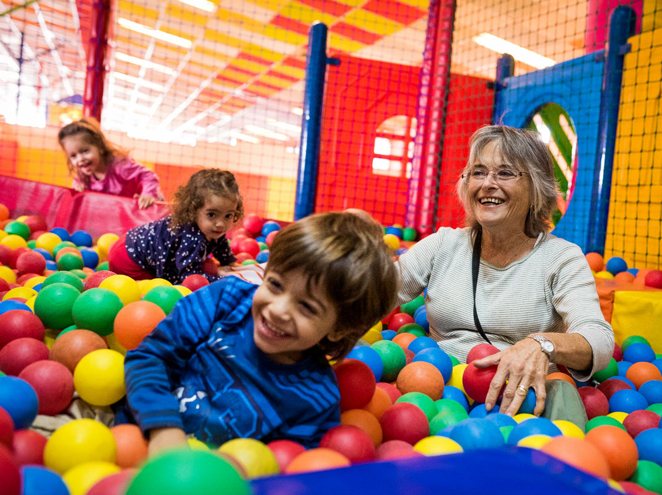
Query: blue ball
[437, 357]
[477, 433]
[9, 304]
[649, 445]
[388, 334]
[479, 410]
[529, 403]
[261, 238]
[533, 426]
[638, 352]
[401, 251]
[652, 391]
[370, 357]
[454, 393]
[616, 265]
[20, 400]
[658, 363]
[269, 226]
[396, 231]
[420, 343]
[39, 480]
[501, 419]
[61, 232]
[90, 257]
[623, 367]
[633, 271]
[627, 401]
[421, 318]
[81, 238]
[262, 256]
[51, 265]
[47, 256]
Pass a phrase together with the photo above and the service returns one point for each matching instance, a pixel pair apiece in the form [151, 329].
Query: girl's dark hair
[89, 127]
[344, 254]
[190, 197]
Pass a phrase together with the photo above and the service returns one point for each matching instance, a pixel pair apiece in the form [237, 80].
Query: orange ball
[135, 321]
[366, 421]
[74, 345]
[318, 459]
[642, 372]
[131, 445]
[578, 453]
[379, 403]
[404, 339]
[559, 375]
[624, 277]
[618, 447]
[423, 377]
[66, 250]
[595, 261]
[4, 212]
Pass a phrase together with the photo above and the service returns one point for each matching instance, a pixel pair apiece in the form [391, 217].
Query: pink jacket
[125, 177]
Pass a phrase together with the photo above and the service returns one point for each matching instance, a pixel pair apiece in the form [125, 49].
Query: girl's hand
[145, 201]
[166, 438]
[78, 187]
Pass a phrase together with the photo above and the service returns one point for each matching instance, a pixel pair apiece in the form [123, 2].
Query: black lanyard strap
[475, 266]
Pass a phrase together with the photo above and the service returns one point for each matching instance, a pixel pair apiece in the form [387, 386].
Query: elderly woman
[505, 280]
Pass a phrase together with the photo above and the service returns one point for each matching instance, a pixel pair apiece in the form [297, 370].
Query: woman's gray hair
[524, 151]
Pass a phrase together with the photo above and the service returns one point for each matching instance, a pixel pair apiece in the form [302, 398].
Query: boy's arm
[166, 438]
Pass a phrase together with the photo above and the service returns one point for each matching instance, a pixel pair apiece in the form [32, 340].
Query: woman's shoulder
[557, 245]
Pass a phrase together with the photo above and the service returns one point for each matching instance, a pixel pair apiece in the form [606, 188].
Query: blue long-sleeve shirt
[200, 370]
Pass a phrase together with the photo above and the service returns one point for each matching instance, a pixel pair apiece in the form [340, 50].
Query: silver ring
[522, 389]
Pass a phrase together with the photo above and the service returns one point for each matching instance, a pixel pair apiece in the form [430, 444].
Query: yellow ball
[144, 286]
[81, 478]
[13, 241]
[48, 241]
[78, 442]
[534, 441]
[616, 485]
[19, 293]
[99, 377]
[253, 456]
[392, 241]
[618, 416]
[50, 336]
[521, 417]
[8, 274]
[3, 234]
[22, 218]
[105, 242]
[125, 287]
[196, 444]
[32, 281]
[30, 303]
[113, 344]
[604, 274]
[372, 336]
[185, 291]
[435, 445]
[157, 282]
[569, 429]
[456, 376]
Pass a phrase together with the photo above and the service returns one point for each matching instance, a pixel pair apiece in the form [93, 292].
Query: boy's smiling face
[289, 318]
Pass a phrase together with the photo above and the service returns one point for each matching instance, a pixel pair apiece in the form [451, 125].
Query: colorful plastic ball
[6, 429]
[456, 394]
[285, 451]
[501, 419]
[611, 386]
[404, 421]
[366, 421]
[633, 339]
[638, 421]
[61, 232]
[30, 262]
[11, 305]
[70, 261]
[81, 238]
[71, 347]
[568, 428]
[53, 383]
[435, 445]
[253, 224]
[479, 351]
[125, 287]
[479, 410]
[19, 353]
[115, 484]
[164, 297]
[84, 476]
[411, 306]
[4, 212]
[18, 228]
[610, 370]
[19, 399]
[369, 357]
[638, 352]
[396, 449]
[603, 420]
[356, 383]
[421, 343]
[135, 321]
[317, 459]
[131, 446]
[7, 274]
[39, 480]
[64, 278]
[449, 413]
[9, 473]
[381, 400]
[99, 377]
[643, 372]
[249, 246]
[28, 447]
[648, 475]
[96, 310]
[54, 304]
[351, 441]
[438, 358]
[269, 227]
[393, 358]
[536, 441]
[77, 442]
[90, 257]
[535, 426]
[476, 381]
[194, 282]
[649, 443]
[578, 453]
[653, 279]
[15, 324]
[412, 328]
[627, 401]
[421, 377]
[13, 241]
[652, 390]
[420, 400]
[394, 230]
[105, 242]
[476, 433]
[616, 265]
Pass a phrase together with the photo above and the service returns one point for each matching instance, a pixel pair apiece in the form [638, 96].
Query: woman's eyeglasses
[501, 175]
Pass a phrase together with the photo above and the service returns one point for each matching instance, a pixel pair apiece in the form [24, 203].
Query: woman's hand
[162, 439]
[519, 368]
[145, 201]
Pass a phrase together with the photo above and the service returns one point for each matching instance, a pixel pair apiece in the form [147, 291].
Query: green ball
[634, 339]
[248, 262]
[454, 361]
[61, 246]
[102, 266]
[449, 413]
[66, 330]
[164, 296]
[649, 475]
[70, 261]
[608, 372]
[32, 243]
[422, 401]
[263, 246]
[96, 309]
[412, 328]
[64, 278]
[411, 307]
[198, 472]
[19, 229]
[80, 274]
[656, 408]
[393, 357]
[602, 421]
[505, 431]
[409, 234]
[54, 303]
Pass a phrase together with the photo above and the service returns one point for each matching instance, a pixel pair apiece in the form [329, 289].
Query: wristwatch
[546, 345]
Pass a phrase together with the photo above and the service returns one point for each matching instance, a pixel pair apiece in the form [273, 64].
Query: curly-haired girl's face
[216, 216]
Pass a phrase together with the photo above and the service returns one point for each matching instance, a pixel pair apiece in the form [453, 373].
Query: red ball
[4, 286]
[71, 347]
[612, 385]
[253, 224]
[242, 256]
[480, 351]
[618, 352]
[350, 441]
[270, 237]
[195, 281]
[16, 324]
[476, 381]
[30, 262]
[210, 266]
[15, 254]
[285, 451]
[29, 447]
[654, 279]
[595, 401]
[356, 383]
[9, 473]
[20, 353]
[248, 245]
[6, 429]
[640, 420]
[115, 484]
[409, 356]
[36, 223]
[5, 253]
[391, 390]
[398, 320]
[631, 488]
[396, 449]
[406, 422]
[53, 383]
[94, 280]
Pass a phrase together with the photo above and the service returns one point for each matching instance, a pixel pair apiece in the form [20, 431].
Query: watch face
[547, 346]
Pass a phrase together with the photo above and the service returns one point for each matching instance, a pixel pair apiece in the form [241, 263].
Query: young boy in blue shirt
[238, 360]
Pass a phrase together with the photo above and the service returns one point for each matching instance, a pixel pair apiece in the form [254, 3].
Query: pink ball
[29, 447]
[16, 324]
[654, 279]
[6, 428]
[53, 383]
[640, 420]
[195, 281]
[285, 451]
[479, 351]
[396, 449]
[351, 441]
[476, 381]
[356, 383]
[93, 281]
[595, 401]
[253, 224]
[20, 353]
[248, 245]
[404, 421]
[30, 262]
[115, 484]
[270, 237]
